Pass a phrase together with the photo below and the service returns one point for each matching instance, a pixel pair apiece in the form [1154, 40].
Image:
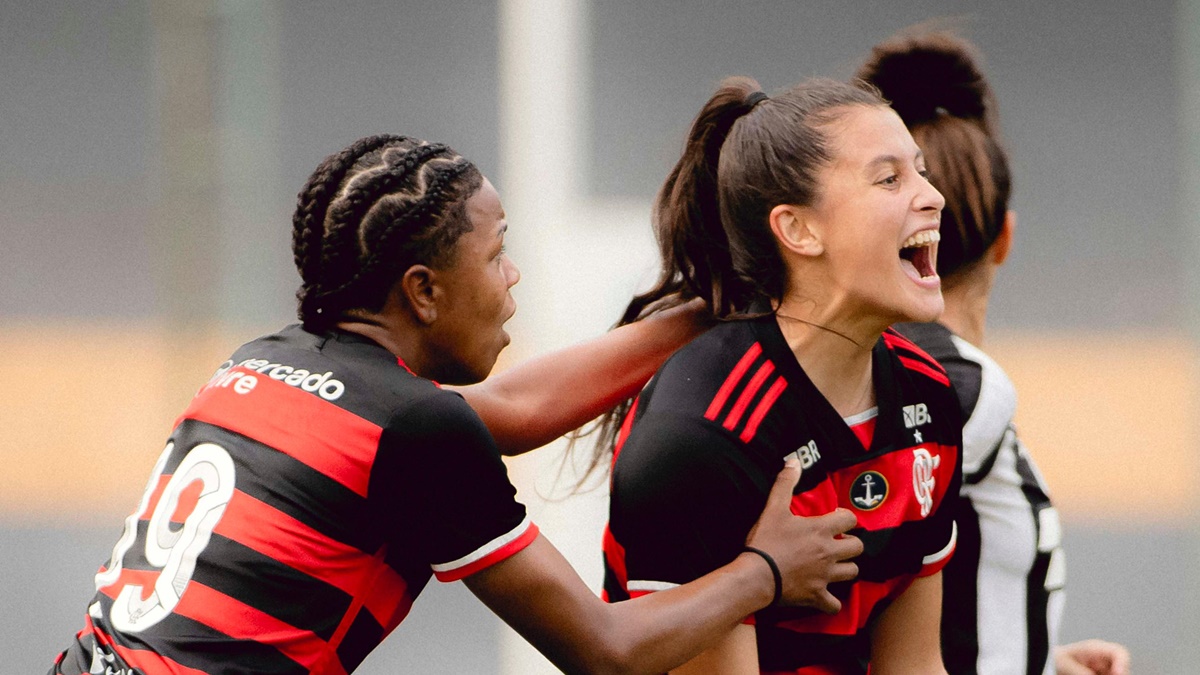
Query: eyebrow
[892, 159]
[502, 230]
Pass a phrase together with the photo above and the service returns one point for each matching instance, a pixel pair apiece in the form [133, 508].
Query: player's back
[261, 508]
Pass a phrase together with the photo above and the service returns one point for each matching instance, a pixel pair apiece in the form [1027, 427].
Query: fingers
[847, 547]
[1093, 656]
[825, 602]
[1104, 657]
[839, 521]
[1065, 665]
[1120, 660]
[785, 483]
[843, 571]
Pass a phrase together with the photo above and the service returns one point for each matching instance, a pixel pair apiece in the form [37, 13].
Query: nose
[511, 273]
[929, 199]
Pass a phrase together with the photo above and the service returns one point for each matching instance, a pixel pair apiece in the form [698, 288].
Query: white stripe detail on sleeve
[487, 549]
[649, 586]
[946, 551]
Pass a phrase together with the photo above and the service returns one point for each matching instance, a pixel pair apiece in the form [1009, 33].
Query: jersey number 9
[172, 551]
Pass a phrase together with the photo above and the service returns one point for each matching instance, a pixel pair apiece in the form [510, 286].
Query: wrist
[773, 580]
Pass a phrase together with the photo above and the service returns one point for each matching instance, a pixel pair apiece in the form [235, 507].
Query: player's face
[475, 300]
[879, 218]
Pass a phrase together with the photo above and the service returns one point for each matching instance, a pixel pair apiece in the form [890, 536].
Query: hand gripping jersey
[1003, 592]
[700, 452]
[300, 506]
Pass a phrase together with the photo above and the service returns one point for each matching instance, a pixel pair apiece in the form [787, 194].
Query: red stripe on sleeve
[925, 369]
[739, 408]
[333, 441]
[511, 548]
[764, 406]
[735, 375]
[277, 535]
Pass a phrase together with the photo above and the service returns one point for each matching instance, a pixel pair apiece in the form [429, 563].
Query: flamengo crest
[923, 479]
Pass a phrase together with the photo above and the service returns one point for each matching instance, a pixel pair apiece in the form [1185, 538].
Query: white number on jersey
[173, 551]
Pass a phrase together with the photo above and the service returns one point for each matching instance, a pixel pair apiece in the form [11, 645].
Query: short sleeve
[440, 471]
[684, 497]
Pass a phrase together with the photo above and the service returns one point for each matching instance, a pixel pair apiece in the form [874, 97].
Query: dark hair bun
[926, 74]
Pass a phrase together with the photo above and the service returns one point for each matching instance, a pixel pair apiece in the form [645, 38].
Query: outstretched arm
[538, 593]
[542, 398]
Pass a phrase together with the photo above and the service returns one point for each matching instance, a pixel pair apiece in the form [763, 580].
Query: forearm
[540, 596]
[663, 630]
[540, 399]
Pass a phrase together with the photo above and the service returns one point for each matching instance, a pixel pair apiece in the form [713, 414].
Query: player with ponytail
[322, 476]
[805, 222]
[1003, 590]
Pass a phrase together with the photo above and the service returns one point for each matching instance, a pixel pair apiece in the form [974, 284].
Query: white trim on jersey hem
[945, 552]
[635, 586]
[487, 549]
[861, 417]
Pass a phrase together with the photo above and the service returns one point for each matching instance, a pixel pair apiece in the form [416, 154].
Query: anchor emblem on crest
[868, 490]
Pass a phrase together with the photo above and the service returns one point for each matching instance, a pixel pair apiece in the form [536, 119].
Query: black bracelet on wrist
[774, 572]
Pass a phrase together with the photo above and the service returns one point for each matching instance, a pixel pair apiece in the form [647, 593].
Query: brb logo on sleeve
[923, 478]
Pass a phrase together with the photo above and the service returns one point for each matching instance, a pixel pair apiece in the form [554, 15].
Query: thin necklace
[824, 328]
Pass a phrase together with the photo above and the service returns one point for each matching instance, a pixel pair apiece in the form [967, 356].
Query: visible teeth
[924, 238]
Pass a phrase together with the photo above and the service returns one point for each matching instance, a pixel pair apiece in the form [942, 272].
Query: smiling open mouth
[921, 250]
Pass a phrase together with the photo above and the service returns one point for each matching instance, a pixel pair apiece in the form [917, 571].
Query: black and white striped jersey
[1004, 588]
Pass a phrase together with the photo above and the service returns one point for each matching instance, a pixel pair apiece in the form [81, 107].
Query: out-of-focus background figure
[138, 134]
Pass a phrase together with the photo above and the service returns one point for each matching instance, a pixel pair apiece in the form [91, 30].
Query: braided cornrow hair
[370, 212]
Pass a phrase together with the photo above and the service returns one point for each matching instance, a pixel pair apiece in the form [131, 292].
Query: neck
[835, 356]
[966, 306]
[389, 333]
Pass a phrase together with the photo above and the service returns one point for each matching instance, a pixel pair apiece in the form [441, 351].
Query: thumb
[785, 483]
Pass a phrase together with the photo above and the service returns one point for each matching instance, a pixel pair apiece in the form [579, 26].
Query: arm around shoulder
[540, 399]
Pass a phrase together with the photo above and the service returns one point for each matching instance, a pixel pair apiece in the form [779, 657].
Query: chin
[927, 311]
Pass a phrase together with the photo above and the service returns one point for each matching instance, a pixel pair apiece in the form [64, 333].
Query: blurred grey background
[152, 151]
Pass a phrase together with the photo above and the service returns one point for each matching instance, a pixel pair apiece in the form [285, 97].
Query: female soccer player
[806, 222]
[1003, 590]
[321, 476]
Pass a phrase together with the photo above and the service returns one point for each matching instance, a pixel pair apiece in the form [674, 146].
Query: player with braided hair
[322, 476]
[1003, 589]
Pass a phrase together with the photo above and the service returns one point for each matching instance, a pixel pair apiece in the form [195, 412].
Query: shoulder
[986, 395]
[705, 372]
[993, 411]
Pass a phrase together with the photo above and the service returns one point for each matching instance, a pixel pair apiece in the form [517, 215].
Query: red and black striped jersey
[700, 452]
[303, 501]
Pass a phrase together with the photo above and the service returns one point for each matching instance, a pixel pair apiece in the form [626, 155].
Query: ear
[1003, 244]
[792, 229]
[418, 289]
